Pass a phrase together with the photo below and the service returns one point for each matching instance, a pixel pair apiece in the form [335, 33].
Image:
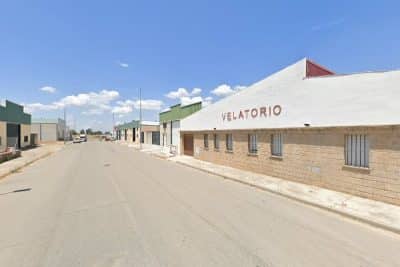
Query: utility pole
[140, 119]
[113, 129]
[65, 125]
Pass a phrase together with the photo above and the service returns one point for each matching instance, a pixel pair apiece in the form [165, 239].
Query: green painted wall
[178, 112]
[14, 113]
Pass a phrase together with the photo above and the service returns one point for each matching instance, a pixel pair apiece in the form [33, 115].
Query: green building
[170, 121]
[15, 126]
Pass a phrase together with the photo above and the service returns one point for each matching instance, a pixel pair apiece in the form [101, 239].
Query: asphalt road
[103, 204]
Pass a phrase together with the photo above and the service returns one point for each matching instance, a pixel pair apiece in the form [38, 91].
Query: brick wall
[316, 157]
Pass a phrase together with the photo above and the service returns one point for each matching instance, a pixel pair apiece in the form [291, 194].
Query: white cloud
[122, 109]
[191, 100]
[223, 90]
[127, 106]
[187, 97]
[226, 90]
[96, 103]
[48, 89]
[195, 91]
[94, 111]
[123, 65]
[207, 101]
[179, 93]
[183, 92]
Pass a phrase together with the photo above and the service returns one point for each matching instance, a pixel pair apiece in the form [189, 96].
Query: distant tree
[107, 133]
[82, 131]
[73, 132]
[98, 133]
[89, 131]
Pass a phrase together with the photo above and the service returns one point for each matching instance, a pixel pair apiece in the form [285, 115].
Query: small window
[252, 141]
[206, 141]
[0, 140]
[276, 144]
[229, 142]
[164, 125]
[356, 150]
[216, 141]
[25, 138]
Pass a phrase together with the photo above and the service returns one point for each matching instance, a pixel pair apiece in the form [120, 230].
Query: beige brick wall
[316, 157]
[3, 135]
[25, 131]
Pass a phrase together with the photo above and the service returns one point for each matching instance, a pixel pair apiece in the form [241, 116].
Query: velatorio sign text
[260, 112]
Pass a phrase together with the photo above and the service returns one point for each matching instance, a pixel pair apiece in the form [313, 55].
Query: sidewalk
[369, 211]
[154, 150]
[27, 157]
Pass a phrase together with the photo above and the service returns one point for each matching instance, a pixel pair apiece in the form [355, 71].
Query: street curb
[314, 204]
[26, 164]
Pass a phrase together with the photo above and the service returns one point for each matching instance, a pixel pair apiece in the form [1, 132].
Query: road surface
[103, 204]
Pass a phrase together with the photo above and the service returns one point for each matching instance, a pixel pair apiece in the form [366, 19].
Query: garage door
[188, 144]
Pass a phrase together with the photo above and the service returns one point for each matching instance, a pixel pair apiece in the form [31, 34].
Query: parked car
[77, 139]
[83, 138]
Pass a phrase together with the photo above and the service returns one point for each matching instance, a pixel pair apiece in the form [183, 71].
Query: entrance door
[13, 135]
[155, 138]
[133, 134]
[188, 144]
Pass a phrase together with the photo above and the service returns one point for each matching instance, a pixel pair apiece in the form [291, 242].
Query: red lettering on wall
[277, 110]
[254, 112]
[266, 111]
[263, 111]
[247, 113]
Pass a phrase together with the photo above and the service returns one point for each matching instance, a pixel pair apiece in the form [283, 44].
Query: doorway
[188, 144]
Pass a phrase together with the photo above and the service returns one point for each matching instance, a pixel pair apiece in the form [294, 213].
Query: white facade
[49, 130]
[336, 100]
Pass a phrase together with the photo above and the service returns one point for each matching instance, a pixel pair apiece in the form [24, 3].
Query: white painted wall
[347, 100]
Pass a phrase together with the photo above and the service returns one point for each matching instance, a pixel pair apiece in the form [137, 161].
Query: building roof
[14, 113]
[46, 120]
[178, 112]
[135, 124]
[367, 99]
[150, 123]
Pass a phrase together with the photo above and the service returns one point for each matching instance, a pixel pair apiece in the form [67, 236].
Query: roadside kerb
[27, 158]
[378, 214]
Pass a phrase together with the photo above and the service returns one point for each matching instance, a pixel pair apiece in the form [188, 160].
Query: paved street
[102, 204]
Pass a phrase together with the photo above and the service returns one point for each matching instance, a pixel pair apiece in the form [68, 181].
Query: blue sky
[96, 54]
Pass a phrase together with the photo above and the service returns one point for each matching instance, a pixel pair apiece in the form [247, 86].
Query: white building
[49, 130]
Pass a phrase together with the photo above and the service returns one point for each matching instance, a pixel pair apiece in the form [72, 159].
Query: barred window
[252, 142]
[26, 138]
[216, 141]
[229, 142]
[356, 150]
[276, 144]
[206, 141]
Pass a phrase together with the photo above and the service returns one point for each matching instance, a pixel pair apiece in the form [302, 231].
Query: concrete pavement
[101, 204]
[373, 212]
[28, 156]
